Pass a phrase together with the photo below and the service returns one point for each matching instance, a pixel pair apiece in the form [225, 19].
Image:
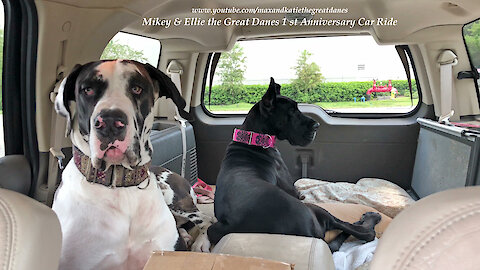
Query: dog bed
[384, 196]
[348, 202]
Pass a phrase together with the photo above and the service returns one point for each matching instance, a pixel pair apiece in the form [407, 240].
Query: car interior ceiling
[346, 149]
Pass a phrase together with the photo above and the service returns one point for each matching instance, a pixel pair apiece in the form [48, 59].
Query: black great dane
[255, 191]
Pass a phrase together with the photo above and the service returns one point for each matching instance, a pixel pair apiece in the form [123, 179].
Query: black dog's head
[280, 117]
[113, 116]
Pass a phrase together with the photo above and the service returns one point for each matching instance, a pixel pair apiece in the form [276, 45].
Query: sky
[149, 46]
[337, 57]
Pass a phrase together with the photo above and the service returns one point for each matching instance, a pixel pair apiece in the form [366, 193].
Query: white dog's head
[112, 119]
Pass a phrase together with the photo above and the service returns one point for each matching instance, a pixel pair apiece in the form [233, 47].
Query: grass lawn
[398, 102]
[233, 107]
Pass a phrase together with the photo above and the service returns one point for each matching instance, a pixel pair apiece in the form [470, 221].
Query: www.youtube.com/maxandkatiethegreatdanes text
[259, 10]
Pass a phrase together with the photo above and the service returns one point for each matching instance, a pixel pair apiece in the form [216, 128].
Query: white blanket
[354, 254]
[382, 195]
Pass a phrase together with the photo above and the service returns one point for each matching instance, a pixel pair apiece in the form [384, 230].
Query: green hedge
[325, 92]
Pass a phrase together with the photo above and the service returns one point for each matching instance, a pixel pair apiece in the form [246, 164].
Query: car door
[18, 150]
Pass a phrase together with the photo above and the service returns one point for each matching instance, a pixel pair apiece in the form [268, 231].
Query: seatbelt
[403, 57]
[56, 160]
[447, 59]
[175, 70]
[213, 66]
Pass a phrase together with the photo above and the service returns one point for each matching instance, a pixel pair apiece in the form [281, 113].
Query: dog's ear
[66, 93]
[277, 86]
[270, 97]
[166, 87]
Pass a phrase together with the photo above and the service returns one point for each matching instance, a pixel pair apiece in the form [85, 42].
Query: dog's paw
[201, 244]
[371, 219]
[186, 237]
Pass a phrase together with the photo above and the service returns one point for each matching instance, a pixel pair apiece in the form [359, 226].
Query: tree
[115, 50]
[308, 74]
[232, 69]
[472, 39]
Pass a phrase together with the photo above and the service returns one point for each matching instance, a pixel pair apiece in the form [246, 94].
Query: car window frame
[329, 112]
[472, 67]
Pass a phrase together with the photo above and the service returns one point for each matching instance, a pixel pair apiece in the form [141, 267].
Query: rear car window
[133, 47]
[471, 34]
[343, 74]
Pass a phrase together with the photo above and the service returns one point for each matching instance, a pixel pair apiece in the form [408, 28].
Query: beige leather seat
[441, 231]
[30, 234]
[306, 253]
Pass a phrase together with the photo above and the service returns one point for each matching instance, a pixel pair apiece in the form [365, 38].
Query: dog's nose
[110, 123]
[315, 125]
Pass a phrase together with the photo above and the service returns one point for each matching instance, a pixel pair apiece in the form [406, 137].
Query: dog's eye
[88, 91]
[137, 90]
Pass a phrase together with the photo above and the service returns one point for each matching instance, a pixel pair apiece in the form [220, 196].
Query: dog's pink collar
[253, 138]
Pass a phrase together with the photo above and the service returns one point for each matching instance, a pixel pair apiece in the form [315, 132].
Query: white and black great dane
[114, 209]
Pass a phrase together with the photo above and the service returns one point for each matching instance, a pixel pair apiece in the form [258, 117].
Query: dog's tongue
[114, 154]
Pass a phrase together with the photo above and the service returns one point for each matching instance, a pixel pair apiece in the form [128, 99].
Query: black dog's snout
[111, 123]
[315, 125]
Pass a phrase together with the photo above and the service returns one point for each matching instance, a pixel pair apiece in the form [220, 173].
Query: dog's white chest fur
[106, 228]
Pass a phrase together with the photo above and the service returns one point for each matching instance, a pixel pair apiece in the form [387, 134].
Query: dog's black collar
[114, 176]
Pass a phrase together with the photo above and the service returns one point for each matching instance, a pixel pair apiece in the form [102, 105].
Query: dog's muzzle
[110, 131]
[111, 124]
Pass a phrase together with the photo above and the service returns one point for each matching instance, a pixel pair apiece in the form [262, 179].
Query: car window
[2, 22]
[133, 47]
[346, 74]
[471, 34]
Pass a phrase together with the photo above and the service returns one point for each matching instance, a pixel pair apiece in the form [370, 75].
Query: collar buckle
[267, 145]
[250, 138]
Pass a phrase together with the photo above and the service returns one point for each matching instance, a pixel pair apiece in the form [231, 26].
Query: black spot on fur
[88, 78]
[145, 108]
[187, 226]
[180, 245]
[148, 149]
[103, 165]
[140, 122]
[136, 147]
